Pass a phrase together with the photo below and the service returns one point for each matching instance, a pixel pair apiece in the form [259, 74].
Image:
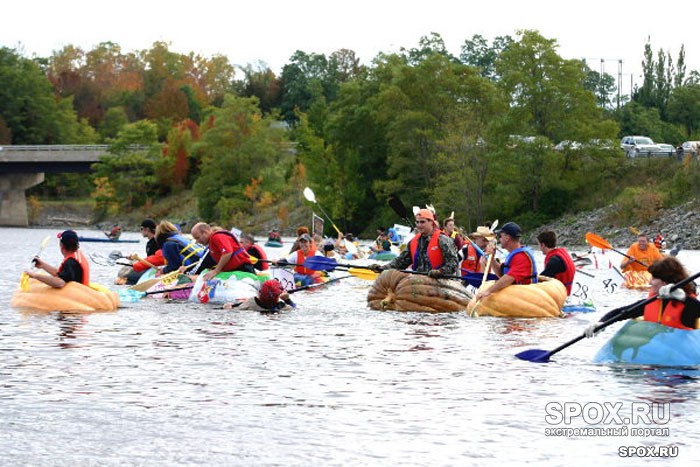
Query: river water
[330, 383]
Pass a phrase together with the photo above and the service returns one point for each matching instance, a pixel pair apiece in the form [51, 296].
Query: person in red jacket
[557, 261]
[224, 249]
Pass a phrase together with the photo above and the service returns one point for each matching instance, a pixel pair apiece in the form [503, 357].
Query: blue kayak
[105, 240]
[273, 244]
[648, 343]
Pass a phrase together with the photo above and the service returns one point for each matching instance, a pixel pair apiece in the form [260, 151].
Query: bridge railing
[65, 147]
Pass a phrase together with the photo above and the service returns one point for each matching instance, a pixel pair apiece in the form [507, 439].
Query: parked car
[635, 146]
[566, 144]
[691, 147]
[667, 149]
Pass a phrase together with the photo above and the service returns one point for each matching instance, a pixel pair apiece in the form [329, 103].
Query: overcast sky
[271, 31]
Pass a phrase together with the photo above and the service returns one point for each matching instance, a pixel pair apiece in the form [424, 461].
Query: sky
[271, 31]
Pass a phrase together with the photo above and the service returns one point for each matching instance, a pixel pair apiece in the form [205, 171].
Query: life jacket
[666, 312]
[239, 257]
[82, 261]
[189, 250]
[567, 276]
[471, 261]
[659, 241]
[300, 269]
[532, 278]
[155, 259]
[434, 251]
[260, 265]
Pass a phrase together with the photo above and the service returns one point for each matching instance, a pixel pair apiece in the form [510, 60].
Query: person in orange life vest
[74, 268]
[302, 275]
[557, 261]
[448, 226]
[642, 251]
[472, 260]
[224, 249]
[519, 266]
[301, 230]
[429, 251]
[677, 308]
[256, 251]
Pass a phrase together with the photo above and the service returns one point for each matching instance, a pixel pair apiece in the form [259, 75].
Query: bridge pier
[13, 203]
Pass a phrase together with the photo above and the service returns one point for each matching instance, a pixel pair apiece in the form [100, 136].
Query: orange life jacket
[434, 251]
[666, 312]
[300, 269]
[566, 277]
[82, 261]
[471, 261]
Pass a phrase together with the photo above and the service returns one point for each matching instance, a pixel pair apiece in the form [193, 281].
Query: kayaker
[74, 268]
[643, 252]
[271, 298]
[148, 230]
[557, 261]
[677, 308]
[115, 233]
[274, 236]
[472, 260]
[429, 251]
[224, 249]
[256, 251]
[301, 230]
[303, 276]
[519, 266]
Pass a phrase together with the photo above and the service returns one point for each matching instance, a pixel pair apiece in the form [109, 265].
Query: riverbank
[679, 225]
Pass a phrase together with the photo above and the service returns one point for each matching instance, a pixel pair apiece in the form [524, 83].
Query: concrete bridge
[22, 167]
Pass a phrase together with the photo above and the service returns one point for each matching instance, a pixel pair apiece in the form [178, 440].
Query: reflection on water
[331, 383]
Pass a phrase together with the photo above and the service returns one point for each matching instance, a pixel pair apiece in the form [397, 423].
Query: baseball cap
[68, 236]
[512, 229]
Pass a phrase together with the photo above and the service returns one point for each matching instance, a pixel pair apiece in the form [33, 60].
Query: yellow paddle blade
[24, 282]
[633, 230]
[147, 284]
[366, 274]
[597, 241]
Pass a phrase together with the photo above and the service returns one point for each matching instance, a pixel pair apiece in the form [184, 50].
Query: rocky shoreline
[679, 225]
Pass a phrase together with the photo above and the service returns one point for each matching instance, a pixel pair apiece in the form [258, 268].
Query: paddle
[24, 278]
[321, 263]
[543, 356]
[400, 209]
[309, 195]
[600, 242]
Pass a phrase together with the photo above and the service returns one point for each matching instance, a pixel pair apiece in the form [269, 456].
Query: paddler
[429, 251]
[74, 268]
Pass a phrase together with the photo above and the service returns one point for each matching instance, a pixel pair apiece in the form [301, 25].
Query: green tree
[684, 108]
[240, 146]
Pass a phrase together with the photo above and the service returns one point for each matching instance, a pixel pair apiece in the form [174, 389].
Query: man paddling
[429, 251]
[641, 254]
[74, 268]
[519, 266]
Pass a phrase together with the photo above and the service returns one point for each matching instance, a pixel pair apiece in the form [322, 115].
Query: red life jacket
[666, 312]
[239, 257]
[155, 259]
[471, 262]
[82, 261]
[260, 265]
[566, 277]
[300, 269]
[434, 251]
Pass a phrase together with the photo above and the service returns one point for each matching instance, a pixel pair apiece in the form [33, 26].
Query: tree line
[473, 133]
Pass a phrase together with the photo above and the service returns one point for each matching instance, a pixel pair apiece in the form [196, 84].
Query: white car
[643, 146]
[691, 147]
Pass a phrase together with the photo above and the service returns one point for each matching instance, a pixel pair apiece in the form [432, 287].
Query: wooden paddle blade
[597, 241]
[534, 355]
[364, 274]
